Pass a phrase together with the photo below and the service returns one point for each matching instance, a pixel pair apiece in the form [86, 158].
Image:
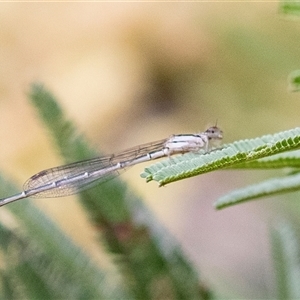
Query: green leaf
[72, 145]
[151, 267]
[286, 257]
[294, 81]
[45, 262]
[231, 155]
[290, 7]
[269, 187]
[283, 160]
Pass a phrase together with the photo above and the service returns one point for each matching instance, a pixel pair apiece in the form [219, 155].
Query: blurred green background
[130, 73]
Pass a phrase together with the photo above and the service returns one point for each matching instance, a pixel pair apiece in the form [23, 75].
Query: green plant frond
[286, 254]
[282, 160]
[71, 144]
[294, 78]
[289, 7]
[42, 275]
[117, 213]
[192, 164]
[268, 187]
[49, 255]
[74, 147]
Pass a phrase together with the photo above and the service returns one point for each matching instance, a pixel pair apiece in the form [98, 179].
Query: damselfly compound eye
[214, 133]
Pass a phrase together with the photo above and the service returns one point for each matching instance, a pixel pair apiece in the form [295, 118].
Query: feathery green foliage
[294, 81]
[231, 155]
[269, 151]
[149, 261]
[286, 257]
[273, 186]
[289, 7]
[41, 262]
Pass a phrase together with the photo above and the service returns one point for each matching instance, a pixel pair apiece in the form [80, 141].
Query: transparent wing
[75, 177]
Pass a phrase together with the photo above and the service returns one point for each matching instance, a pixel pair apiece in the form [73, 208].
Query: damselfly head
[214, 133]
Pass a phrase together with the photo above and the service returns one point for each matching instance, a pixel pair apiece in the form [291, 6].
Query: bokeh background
[131, 73]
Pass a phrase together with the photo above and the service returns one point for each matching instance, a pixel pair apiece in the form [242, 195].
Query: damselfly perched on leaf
[72, 178]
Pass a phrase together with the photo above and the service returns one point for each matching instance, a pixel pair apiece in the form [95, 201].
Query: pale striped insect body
[72, 178]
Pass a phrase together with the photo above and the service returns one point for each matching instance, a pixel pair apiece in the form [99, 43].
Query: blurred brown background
[130, 73]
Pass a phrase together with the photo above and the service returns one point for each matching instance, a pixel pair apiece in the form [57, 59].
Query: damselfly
[72, 178]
